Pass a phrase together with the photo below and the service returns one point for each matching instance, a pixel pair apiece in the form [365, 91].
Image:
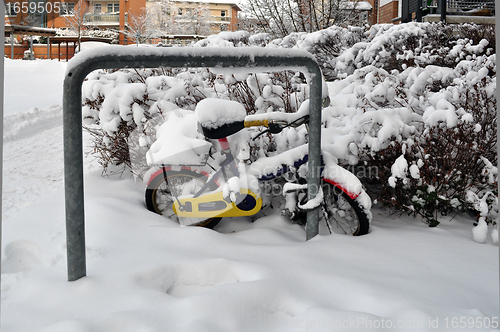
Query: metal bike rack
[115, 57]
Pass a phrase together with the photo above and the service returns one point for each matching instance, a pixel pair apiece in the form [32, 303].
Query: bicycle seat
[220, 118]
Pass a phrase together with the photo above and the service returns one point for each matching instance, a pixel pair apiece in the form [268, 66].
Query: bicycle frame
[246, 203]
[216, 204]
[229, 161]
[240, 191]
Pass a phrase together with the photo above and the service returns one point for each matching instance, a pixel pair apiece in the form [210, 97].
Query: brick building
[52, 14]
[385, 11]
[102, 14]
[223, 13]
[389, 11]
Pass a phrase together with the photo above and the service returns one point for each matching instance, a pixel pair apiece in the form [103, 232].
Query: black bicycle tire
[150, 195]
[362, 217]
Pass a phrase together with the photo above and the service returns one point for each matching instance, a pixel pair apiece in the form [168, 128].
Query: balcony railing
[478, 11]
[221, 18]
[104, 18]
[468, 5]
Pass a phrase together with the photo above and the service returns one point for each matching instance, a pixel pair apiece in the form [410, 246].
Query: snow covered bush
[123, 109]
[226, 39]
[325, 44]
[92, 32]
[412, 113]
[118, 104]
[416, 44]
[424, 117]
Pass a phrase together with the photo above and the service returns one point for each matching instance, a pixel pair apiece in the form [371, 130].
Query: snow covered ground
[24, 89]
[146, 273]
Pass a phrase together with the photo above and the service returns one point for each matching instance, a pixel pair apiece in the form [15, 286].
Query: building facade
[192, 17]
[218, 16]
[65, 14]
[389, 11]
[384, 11]
[53, 14]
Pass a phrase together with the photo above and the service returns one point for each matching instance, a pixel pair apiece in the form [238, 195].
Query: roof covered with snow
[359, 5]
[223, 2]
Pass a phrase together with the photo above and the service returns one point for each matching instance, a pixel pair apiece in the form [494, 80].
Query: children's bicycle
[203, 194]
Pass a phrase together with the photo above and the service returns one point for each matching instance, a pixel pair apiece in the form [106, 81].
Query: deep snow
[146, 273]
[22, 83]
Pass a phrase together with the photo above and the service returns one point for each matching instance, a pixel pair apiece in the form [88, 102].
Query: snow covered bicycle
[201, 195]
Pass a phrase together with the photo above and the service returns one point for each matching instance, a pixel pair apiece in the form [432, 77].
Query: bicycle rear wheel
[342, 214]
[161, 195]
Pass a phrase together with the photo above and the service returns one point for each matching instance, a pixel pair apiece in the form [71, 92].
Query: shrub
[415, 102]
[448, 155]
[121, 103]
[122, 109]
[426, 124]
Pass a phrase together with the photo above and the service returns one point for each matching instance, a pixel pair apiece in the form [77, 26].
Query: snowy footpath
[146, 273]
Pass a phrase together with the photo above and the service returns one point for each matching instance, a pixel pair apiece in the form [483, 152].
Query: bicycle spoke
[339, 213]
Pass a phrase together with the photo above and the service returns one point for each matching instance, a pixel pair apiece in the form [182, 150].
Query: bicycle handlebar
[275, 127]
[276, 123]
[256, 123]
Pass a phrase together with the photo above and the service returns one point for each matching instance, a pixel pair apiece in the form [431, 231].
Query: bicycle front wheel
[162, 191]
[342, 214]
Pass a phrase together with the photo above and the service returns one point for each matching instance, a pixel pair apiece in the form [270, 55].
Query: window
[97, 8]
[113, 7]
[11, 9]
[67, 8]
[223, 16]
[179, 12]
